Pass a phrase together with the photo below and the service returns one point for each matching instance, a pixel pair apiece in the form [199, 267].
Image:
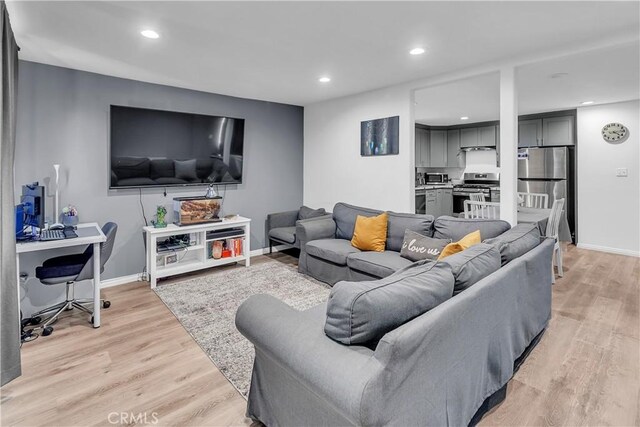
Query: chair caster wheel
[106, 304]
[47, 331]
[35, 320]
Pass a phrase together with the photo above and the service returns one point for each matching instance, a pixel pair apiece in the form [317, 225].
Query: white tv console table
[197, 255]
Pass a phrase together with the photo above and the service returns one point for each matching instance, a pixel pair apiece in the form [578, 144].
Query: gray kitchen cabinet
[455, 157]
[529, 133]
[447, 202]
[431, 202]
[483, 136]
[418, 147]
[468, 137]
[439, 198]
[438, 148]
[439, 202]
[420, 202]
[424, 152]
[558, 130]
[422, 147]
[487, 136]
[444, 202]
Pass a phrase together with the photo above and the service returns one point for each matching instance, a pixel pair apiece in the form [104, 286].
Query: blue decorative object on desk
[70, 220]
[70, 216]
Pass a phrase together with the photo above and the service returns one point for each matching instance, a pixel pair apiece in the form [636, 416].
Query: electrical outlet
[622, 172]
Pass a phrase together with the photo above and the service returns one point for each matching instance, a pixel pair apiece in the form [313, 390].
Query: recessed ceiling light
[464, 118]
[586, 103]
[416, 51]
[324, 79]
[150, 34]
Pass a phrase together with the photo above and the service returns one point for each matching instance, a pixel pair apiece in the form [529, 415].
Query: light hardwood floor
[585, 371]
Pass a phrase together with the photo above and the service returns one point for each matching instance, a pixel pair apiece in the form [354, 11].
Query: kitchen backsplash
[454, 173]
[476, 161]
[481, 161]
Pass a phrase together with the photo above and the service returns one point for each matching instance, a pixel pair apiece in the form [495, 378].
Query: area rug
[206, 306]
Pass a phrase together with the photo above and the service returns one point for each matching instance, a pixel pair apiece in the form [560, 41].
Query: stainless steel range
[485, 183]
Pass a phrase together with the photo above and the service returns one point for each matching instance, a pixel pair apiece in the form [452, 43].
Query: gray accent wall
[63, 117]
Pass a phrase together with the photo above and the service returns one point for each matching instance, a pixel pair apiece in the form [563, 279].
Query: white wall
[608, 206]
[334, 171]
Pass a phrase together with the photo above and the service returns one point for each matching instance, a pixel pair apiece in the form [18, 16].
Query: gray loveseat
[327, 255]
[438, 368]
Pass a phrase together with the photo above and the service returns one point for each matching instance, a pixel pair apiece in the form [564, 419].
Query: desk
[88, 234]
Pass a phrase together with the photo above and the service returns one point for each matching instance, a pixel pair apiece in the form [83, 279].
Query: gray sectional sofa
[327, 255]
[433, 343]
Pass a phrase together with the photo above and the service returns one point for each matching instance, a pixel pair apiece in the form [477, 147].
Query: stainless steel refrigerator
[549, 170]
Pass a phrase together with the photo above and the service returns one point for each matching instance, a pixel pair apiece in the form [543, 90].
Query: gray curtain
[9, 295]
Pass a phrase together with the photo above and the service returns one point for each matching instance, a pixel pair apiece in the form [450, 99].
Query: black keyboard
[47, 235]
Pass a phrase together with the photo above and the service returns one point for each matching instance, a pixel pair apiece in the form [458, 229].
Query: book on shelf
[225, 248]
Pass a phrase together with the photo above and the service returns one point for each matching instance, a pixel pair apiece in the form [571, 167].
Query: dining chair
[533, 200]
[481, 210]
[553, 227]
[477, 197]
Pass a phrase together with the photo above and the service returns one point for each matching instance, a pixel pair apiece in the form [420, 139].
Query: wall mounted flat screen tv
[153, 148]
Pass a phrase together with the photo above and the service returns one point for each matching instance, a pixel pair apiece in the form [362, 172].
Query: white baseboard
[117, 281]
[616, 251]
[277, 248]
[123, 280]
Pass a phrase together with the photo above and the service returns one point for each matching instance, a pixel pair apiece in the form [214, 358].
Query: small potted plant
[161, 212]
[70, 215]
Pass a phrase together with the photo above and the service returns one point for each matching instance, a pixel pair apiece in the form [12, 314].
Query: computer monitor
[32, 201]
[19, 220]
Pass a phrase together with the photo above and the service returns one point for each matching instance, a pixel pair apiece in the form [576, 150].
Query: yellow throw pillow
[370, 233]
[466, 242]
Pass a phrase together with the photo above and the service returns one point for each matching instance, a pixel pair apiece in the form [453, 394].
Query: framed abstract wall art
[380, 137]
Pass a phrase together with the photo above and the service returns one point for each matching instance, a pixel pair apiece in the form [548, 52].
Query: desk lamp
[56, 206]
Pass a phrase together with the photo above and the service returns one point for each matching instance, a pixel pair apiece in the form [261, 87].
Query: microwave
[436, 178]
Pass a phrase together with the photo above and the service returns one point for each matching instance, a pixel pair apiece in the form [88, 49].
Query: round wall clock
[614, 132]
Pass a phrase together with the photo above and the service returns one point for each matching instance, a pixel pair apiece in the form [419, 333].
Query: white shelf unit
[197, 256]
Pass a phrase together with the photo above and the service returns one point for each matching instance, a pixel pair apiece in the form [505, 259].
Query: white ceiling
[276, 50]
[477, 98]
[602, 76]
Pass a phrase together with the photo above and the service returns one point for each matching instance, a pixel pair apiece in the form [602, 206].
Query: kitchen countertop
[434, 186]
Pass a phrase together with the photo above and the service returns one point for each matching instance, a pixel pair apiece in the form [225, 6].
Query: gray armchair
[281, 226]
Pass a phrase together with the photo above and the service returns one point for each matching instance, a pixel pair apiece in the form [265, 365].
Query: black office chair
[70, 269]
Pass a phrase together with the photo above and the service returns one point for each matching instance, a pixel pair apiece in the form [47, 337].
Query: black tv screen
[162, 148]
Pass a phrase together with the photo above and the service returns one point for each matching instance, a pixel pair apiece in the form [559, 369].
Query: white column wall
[508, 145]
